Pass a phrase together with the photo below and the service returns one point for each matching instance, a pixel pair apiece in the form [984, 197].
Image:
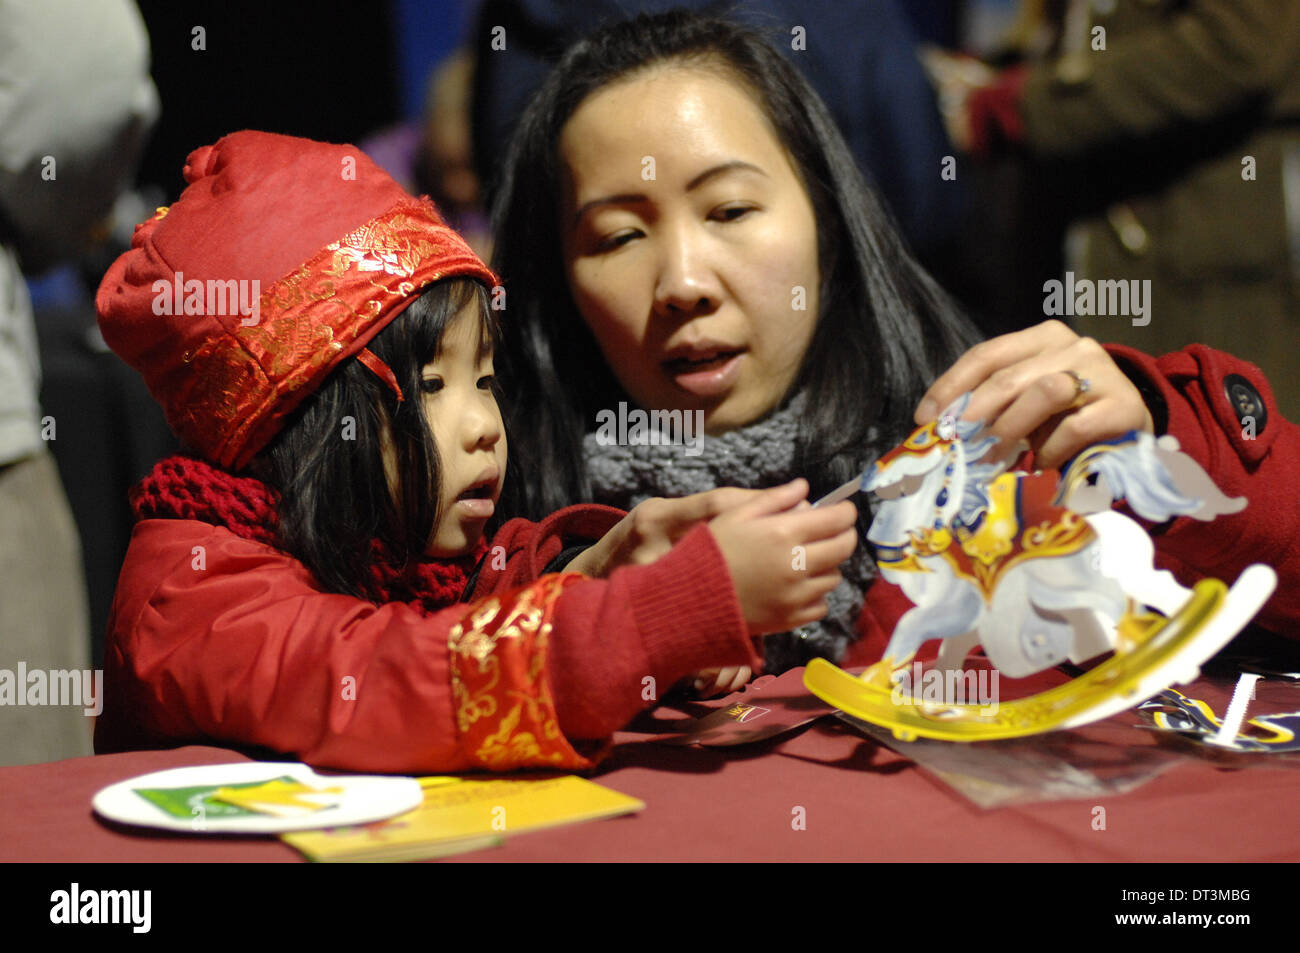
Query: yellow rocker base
[1150, 657]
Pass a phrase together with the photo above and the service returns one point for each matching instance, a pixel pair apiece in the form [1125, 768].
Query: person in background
[444, 164]
[1168, 131]
[432, 155]
[76, 102]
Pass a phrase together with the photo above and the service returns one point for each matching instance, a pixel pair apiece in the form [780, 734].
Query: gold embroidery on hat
[307, 318]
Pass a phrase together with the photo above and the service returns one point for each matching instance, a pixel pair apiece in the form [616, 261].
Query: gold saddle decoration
[997, 543]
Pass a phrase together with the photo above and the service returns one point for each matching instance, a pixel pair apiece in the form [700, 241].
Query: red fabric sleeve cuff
[521, 550]
[1206, 393]
[588, 521]
[501, 686]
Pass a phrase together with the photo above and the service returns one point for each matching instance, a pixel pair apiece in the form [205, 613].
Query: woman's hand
[652, 527]
[1023, 387]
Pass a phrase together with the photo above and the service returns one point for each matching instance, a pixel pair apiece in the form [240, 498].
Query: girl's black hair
[885, 329]
[328, 463]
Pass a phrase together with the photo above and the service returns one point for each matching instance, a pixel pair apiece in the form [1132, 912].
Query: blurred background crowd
[1015, 141]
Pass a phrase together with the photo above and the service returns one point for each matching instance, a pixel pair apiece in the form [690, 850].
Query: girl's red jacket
[218, 639]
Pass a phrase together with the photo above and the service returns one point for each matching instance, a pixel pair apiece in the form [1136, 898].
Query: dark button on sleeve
[1246, 402]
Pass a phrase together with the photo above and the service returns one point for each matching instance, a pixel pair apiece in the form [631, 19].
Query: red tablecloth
[860, 800]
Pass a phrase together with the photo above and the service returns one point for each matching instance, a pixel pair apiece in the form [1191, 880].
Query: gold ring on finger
[1081, 386]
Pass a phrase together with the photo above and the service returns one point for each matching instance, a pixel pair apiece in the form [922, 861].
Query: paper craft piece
[1173, 711]
[253, 797]
[768, 706]
[461, 815]
[280, 797]
[1037, 570]
[1236, 710]
[182, 802]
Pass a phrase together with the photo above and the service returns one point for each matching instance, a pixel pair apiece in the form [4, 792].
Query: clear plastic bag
[1113, 756]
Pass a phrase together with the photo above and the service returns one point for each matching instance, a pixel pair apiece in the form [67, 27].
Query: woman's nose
[686, 283]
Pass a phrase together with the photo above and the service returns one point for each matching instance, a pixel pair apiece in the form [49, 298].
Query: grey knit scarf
[760, 455]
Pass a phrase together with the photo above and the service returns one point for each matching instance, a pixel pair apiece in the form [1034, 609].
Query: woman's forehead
[673, 123]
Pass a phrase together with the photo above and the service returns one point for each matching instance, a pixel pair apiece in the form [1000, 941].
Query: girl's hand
[783, 555]
[720, 681]
[1022, 387]
[652, 527]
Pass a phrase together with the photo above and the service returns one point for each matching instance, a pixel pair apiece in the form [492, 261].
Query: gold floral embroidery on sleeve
[500, 689]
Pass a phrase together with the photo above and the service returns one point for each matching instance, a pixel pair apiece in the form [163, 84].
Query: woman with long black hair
[680, 227]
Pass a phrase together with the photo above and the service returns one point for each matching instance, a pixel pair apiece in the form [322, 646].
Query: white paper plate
[364, 798]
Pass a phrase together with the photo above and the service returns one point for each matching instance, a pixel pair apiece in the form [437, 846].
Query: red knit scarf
[188, 488]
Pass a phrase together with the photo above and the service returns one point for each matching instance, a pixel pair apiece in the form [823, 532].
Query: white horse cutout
[1038, 570]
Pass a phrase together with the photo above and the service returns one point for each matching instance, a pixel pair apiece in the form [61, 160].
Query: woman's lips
[708, 376]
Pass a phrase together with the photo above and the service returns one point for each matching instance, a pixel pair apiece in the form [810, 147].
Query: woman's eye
[485, 382]
[617, 240]
[730, 213]
[431, 385]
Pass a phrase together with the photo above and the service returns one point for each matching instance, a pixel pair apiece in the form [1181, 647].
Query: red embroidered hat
[282, 258]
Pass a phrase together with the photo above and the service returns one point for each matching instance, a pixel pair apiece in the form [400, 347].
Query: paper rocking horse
[1037, 570]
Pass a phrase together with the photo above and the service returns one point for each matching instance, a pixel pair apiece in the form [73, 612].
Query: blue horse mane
[974, 497]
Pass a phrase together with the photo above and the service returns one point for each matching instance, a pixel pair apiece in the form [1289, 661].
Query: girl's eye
[730, 213]
[485, 382]
[431, 385]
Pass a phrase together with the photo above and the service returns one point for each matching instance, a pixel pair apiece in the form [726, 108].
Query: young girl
[323, 345]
